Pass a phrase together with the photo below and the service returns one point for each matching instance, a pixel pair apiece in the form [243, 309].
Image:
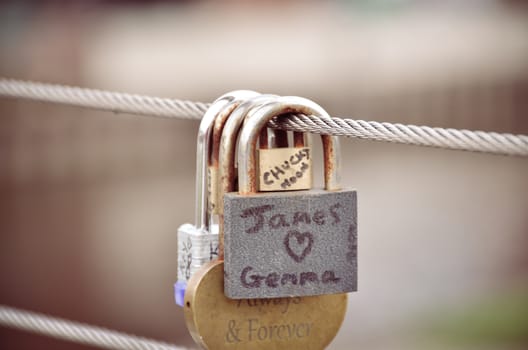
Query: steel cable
[477, 141]
[77, 332]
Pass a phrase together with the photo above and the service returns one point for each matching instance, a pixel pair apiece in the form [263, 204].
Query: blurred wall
[90, 201]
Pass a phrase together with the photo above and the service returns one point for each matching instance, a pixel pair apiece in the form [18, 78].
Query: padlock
[298, 243]
[198, 243]
[283, 168]
[216, 322]
[298, 323]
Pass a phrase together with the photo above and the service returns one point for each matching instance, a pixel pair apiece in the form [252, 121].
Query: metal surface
[228, 141]
[281, 138]
[299, 139]
[285, 169]
[195, 247]
[216, 322]
[290, 244]
[214, 153]
[202, 151]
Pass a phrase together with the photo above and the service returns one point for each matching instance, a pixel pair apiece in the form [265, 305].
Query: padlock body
[195, 248]
[298, 323]
[285, 169]
[290, 243]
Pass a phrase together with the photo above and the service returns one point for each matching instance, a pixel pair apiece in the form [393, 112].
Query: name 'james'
[278, 221]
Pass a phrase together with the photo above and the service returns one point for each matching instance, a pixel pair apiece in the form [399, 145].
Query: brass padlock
[216, 322]
[298, 323]
[279, 244]
[283, 168]
[198, 243]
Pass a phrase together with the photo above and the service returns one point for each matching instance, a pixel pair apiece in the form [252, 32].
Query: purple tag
[179, 292]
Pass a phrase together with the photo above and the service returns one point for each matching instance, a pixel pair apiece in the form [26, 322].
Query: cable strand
[476, 141]
[76, 331]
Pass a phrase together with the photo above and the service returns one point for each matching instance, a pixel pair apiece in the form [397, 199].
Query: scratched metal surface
[290, 244]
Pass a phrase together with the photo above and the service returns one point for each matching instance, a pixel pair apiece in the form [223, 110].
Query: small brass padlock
[281, 244]
[284, 168]
[198, 243]
[216, 322]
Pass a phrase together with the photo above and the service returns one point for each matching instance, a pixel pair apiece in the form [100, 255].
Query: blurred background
[90, 202]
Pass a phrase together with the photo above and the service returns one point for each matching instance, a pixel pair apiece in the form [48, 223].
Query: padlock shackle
[228, 142]
[203, 148]
[227, 170]
[220, 122]
[258, 118]
[214, 154]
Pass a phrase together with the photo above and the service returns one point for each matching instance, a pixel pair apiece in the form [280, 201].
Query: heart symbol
[301, 238]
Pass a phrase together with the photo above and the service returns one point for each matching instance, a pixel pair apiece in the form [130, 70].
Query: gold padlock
[284, 168]
[216, 322]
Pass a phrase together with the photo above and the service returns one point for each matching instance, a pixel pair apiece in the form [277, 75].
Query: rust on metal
[281, 138]
[227, 150]
[332, 167]
[215, 198]
[252, 184]
[219, 124]
[298, 139]
[328, 151]
[263, 139]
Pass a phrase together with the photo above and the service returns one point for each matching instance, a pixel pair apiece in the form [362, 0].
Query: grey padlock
[198, 243]
[282, 244]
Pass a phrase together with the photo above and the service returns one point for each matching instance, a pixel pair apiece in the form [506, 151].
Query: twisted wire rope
[76, 331]
[105, 100]
[477, 141]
